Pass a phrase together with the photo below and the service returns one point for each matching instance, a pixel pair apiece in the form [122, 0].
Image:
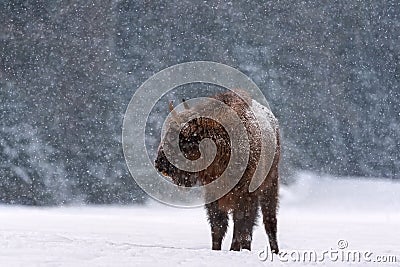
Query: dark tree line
[330, 70]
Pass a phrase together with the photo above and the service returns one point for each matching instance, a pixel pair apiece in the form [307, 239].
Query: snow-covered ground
[315, 214]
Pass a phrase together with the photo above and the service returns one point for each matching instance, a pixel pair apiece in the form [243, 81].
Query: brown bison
[241, 202]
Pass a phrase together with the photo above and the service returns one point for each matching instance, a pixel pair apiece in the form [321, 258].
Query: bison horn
[171, 109]
[185, 104]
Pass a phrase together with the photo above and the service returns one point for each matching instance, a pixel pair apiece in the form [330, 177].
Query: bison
[240, 201]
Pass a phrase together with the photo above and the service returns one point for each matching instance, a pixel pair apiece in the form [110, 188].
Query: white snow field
[315, 214]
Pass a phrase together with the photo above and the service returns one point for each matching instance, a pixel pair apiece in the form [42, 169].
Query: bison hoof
[235, 246]
[275, 249]
[216, 247]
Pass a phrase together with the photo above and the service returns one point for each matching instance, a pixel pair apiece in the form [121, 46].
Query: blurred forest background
[329, 69]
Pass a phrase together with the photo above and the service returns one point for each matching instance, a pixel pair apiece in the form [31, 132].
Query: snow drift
[315, 213]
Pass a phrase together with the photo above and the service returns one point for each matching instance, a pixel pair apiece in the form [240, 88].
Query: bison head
[189, 142]
[192, 129]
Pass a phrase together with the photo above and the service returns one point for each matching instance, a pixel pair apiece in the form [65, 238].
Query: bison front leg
[244, 219]
[219, 223]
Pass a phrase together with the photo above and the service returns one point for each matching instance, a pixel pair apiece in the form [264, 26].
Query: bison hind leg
[244, 219]
[269, 203]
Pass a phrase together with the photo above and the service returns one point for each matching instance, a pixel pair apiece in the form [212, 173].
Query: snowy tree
[68, 70]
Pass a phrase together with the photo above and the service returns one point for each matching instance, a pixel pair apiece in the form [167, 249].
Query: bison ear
[185, 104]
[171, 109]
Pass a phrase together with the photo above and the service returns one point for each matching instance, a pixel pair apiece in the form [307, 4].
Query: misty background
[329, 70]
